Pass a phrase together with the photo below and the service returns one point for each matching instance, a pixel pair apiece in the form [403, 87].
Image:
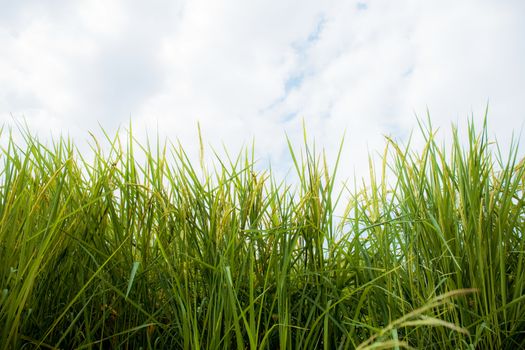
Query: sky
[259, 70]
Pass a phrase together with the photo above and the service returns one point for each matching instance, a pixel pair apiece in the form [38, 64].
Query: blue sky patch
[362, 6]
[288, 117]
[293, 82]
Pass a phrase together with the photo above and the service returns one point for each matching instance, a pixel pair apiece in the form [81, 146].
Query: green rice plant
[132, 246]
[452, 223]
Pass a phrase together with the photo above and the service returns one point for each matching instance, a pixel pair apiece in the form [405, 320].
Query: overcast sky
[257, 69]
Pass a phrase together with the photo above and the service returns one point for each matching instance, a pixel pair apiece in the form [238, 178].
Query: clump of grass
[119, 253]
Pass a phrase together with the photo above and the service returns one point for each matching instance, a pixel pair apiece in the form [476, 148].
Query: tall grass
[113, 252]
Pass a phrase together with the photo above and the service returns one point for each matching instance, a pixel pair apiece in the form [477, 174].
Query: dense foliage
[113, 252]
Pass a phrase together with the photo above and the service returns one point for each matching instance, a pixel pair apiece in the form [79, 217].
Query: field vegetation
[106, 251]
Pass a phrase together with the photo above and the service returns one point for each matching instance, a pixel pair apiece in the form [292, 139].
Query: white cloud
[256, 69]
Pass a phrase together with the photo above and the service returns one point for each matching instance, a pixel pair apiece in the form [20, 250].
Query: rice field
[134, 246]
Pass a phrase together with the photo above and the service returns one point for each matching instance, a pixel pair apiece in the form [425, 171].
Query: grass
[114, 252]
